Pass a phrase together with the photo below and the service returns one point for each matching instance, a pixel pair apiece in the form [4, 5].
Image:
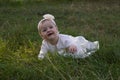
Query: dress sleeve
[43, 50]
[68, 40]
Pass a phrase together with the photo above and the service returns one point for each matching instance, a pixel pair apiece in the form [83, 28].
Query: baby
[66, 45]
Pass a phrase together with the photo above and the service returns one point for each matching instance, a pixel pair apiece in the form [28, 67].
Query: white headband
[47, 16]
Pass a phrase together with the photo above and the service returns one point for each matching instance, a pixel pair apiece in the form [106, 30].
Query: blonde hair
[48, 17]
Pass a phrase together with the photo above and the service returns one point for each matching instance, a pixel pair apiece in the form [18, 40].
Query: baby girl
[65, 45]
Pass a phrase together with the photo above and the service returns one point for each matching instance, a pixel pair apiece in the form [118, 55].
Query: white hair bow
[48, 16]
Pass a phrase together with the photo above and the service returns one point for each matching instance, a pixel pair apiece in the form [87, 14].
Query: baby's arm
[69, 43]
[43, 51]
[41, 55]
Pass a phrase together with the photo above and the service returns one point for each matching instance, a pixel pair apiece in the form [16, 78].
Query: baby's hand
[72, 49]
[40, 57]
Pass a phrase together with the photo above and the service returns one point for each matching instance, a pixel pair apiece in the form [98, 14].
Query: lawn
[20, 41]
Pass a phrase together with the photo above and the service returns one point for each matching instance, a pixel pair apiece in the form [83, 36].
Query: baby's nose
[48, 30]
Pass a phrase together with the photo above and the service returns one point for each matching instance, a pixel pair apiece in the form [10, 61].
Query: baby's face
[48, 31]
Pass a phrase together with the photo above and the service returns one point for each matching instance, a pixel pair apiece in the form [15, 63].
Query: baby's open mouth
[50, 34]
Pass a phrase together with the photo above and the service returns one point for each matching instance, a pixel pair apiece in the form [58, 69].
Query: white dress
[84, 47]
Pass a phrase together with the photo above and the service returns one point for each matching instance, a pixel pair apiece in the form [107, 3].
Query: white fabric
[84, 47]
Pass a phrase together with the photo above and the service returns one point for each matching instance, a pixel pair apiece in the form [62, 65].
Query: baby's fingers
[72, 49]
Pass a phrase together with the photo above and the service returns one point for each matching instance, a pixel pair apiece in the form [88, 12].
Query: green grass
[20, 41]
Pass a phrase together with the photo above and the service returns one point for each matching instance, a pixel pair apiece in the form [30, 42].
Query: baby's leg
[85, 47]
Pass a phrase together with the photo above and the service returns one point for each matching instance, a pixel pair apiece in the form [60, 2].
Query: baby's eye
[51, 27]
[44, 30]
